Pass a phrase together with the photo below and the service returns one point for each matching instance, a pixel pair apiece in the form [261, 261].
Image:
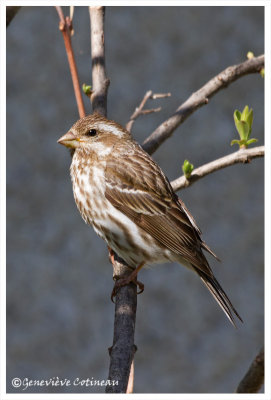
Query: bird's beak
[69, 140]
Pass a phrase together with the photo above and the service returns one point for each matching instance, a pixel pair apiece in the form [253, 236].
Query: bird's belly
[128, 240]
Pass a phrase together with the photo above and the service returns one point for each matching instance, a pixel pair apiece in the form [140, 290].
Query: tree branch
[200, 98]
[140, 109]
[254, 378]
[122, 350]
[11, 11]
[100, 82]
[65, 26]
[240, 156]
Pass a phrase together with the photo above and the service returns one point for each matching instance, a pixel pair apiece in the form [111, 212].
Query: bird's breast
[88, 183]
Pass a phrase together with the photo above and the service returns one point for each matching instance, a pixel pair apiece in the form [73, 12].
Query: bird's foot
[126, 281]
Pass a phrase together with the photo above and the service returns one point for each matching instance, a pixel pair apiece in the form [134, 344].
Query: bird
[126, 197]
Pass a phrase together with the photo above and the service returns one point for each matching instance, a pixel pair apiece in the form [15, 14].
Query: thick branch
[200, 98]
[240, 156]
[65, 26]
[11, 11]
[100, 82]
[254, 378]
[122, 351]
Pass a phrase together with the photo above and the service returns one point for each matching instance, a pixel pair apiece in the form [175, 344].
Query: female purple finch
[121, 191]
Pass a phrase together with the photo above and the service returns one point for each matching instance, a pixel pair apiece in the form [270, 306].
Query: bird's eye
[91, 132]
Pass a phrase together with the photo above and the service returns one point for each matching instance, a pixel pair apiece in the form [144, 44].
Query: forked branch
[65, 26]
[140, 109]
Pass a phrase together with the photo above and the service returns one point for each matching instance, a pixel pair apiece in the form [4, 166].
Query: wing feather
[137, 187]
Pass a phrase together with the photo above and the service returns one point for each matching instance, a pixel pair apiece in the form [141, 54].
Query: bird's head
[94, 133]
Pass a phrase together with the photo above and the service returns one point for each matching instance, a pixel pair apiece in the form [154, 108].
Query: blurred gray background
[59, 280]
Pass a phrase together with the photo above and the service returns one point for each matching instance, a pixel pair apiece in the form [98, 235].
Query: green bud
[243, 123]
[243, 129]
[87, 89]
[187, 168]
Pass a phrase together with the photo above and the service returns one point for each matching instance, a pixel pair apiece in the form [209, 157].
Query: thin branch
[150, 110]
[160, 95]
[240, 156]
[60, 14]
[254, 378]
[140, 109]
[100, 82]
[200, 98]
[11, 11]
[65, 26]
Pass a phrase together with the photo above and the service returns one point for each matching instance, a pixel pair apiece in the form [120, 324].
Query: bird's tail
[220, 296]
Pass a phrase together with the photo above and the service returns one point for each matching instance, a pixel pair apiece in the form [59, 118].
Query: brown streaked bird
[122, 192]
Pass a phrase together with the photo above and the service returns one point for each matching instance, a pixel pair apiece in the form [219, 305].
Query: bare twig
[65, 26]
[100, 82]
[254, 378]
[150, 110]
[140, 109]
[240, 156]
[11, 11]
[200, 98]
[160, 95]
[60, 14]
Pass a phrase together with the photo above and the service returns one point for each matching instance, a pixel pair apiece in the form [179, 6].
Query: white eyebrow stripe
[110, 128]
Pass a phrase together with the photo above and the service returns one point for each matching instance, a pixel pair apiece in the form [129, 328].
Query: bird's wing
[137, 187]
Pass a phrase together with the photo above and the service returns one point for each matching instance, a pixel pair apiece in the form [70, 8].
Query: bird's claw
[123, 282]
[140, 286]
